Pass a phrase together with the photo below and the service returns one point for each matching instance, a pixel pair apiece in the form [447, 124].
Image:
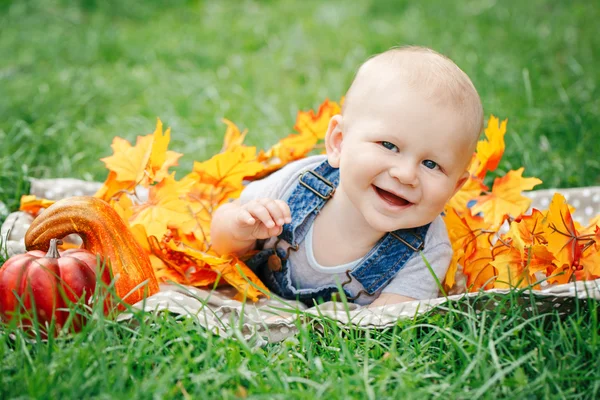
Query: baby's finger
[275, 211]
[285, 211]
[261, 213]
[245, 218]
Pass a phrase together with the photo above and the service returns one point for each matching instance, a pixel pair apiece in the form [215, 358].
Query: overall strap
[388, 257]
[309, 196]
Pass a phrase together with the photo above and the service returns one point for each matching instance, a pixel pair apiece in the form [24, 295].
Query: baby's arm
[389, 298]
[415, 281]
[236, 227]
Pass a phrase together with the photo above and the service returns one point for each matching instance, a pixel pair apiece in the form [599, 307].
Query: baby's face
[401, 158]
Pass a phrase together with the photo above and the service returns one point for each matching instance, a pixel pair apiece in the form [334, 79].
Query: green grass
[74, 74]
[502, 350]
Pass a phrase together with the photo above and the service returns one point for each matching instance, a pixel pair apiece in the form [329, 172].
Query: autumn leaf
[592, 227]
[478, 270]
[160, 158]
[590, 264]
[123, 206]
[146, 162]
[561, 233]
[234, 273]
[531, 227]
[165, 207]
[505, 198]
[467, 233]
[309, 123]
[490, 151]
[112, 187]
[229, 168]
[233, 136]
[516, 269]
[33, 205]
[470, 190]
[311, 128]
[229, 268]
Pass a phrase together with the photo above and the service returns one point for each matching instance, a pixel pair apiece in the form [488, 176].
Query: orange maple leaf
[518, 261]
[478, 270]
[228, 267]
[490, 151]
[467, 233]
[33, 205]
[590, 261]
[562, 239]
[505, 198]
[516, 269]
[532, 227]
[311, 128]
[307, 122]
[234, 273]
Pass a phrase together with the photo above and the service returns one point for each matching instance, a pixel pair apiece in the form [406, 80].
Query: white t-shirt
[414, 280]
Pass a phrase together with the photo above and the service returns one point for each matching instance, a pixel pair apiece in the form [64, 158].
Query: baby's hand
[261, 219]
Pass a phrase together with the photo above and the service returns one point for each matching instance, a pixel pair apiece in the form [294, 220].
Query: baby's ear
[333, 140]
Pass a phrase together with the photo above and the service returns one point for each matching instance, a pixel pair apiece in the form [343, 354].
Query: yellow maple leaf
[592, 226]
[505, 198]
[113, 188]
[146, 162]
[229, 168]
[233, 136]
[33, 205]
[490, 151]
[470, 190]
[165, 207]
[123, 206]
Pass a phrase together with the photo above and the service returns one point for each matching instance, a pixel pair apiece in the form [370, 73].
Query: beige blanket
[272, 320]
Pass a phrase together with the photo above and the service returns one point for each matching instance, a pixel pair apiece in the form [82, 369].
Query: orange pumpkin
[47, 283]
[103, 232]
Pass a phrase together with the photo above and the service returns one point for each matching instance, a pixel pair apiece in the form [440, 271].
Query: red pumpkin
[46, 283]
[103, 232]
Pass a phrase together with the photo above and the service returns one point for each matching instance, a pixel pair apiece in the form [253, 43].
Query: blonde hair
[429, 72]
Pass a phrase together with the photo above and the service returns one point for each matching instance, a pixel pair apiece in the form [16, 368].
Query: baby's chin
[384, 227]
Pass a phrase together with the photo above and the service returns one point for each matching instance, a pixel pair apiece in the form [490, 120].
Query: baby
[364, 217]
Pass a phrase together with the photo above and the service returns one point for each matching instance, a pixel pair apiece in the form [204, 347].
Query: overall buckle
[408, 244]
[319, 177]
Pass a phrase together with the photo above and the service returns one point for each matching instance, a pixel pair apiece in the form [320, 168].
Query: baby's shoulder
[437, 234]
[276, 185]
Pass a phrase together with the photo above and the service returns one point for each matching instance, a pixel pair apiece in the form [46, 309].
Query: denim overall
[373, 272]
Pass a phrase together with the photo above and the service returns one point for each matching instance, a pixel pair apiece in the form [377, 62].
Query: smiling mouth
[391, 198]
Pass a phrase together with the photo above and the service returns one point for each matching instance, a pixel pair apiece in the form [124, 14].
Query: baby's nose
[405, 173]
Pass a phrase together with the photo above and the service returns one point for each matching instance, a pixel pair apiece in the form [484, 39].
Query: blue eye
[389, 146]
[430, 164]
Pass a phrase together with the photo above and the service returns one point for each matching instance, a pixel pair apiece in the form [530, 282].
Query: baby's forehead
[418, 71]
[421, 71]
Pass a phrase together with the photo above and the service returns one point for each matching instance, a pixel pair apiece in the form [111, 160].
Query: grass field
[74, 74]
